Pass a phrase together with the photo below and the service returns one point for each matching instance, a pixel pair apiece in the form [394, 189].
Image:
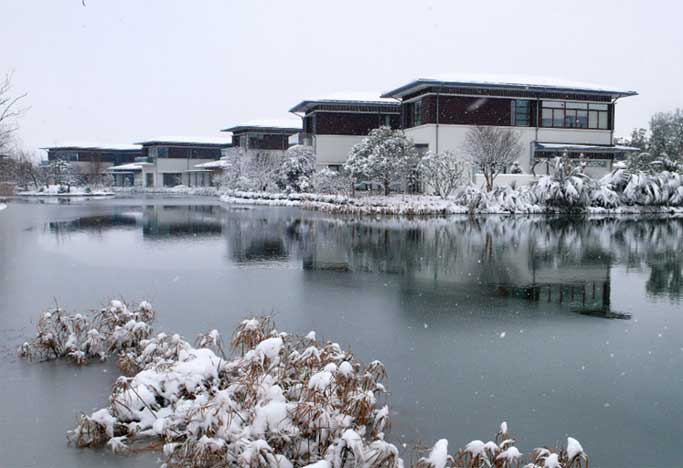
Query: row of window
[574, 115]
[163, 152]
[558, 114]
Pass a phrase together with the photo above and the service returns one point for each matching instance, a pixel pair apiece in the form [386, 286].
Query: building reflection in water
[156, 222]
[559, 260]
[553, 260]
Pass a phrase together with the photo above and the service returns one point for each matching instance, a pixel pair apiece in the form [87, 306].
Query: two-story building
[92, 160]
[263, 139]
[551, 116]
[334, 124]
[171, 161]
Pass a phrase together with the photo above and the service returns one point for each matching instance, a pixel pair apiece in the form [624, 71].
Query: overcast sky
[118, 71]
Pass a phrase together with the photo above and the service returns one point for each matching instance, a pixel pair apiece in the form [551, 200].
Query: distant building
[333, 125]
[551, 116]
[92, 161]
[263, 138]
[171, 161]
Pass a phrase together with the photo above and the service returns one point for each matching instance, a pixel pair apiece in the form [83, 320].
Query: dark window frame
[520, 113]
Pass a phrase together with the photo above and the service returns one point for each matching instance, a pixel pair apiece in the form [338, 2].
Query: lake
[559, 326]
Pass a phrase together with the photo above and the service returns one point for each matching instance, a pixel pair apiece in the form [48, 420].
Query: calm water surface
[557, 326]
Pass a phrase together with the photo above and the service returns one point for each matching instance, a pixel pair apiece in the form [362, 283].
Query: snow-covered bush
[328, 181]
[297, 170]
[78, 338]
[442, 171]
[568, 187]
[282, 400]
[516, 168]
[471, 197]
[385, 157]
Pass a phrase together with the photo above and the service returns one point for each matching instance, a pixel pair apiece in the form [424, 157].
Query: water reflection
[156, 222]
[560, 260]
[478, 321]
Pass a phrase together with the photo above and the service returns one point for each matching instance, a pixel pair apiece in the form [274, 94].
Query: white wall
[452, 137]
[334, 149]
[169, 165]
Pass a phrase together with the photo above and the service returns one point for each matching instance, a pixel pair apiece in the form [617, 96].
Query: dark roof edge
[509, 86]
[306, 104]
[281, 130]
[101, 148]
[183, 143]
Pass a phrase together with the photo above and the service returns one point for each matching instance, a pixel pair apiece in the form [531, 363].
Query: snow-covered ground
[2, 206]
[75, 191]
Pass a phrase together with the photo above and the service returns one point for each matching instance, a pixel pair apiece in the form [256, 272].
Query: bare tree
[26, 171]
[442, 171]
[9, 111]
[492, 150]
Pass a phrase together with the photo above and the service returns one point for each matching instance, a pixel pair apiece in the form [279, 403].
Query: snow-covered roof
[517, 82]
[220, 164]
[286, 125]
[586, 148]
[345, 97]
[128, 167]
[190, 140]
[93, 146]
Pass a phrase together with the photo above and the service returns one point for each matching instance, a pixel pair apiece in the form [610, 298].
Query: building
[552, 116]
[171, 161]
[333, 125]
[267, 138]
[92, 161]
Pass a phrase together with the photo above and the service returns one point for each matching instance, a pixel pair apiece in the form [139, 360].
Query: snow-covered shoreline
[417, 205]
[52, 191]
[180, 190]
[3, 206]
[65, 195]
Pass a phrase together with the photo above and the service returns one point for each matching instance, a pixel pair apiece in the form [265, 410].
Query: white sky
[119, 71]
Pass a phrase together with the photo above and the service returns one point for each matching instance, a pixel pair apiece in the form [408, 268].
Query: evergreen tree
[386, 156]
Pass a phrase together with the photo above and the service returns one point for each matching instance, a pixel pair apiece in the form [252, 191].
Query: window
[417, 113]
[171, 179]
[520, 113]
[149, 180]
[387, 121]
[574, 115]
[162, 152]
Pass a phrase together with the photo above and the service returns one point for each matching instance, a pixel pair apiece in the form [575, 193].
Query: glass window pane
[554, 104]
[577, 105]
[547, 117]
[582, 119]
[520, 109]
[570, 118]
[602, 120]
[592, 119]
[598, 106]
[558, 117]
